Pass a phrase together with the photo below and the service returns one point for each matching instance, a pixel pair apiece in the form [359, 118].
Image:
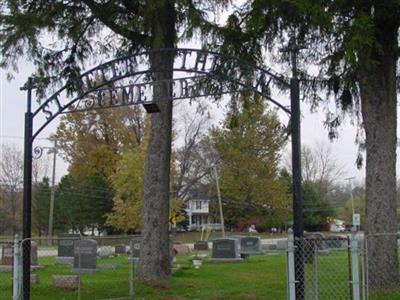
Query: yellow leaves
[176, 206]
[99, 160]
[93, 141]
[125, 215]
[128, 184]
[249, 154]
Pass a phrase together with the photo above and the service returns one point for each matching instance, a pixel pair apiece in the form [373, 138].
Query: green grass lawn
[260, 277]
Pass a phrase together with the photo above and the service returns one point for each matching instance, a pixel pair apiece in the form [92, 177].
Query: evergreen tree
[355, 45]
[41, 206]
[316, 209]
[82, 205]
[68, 200]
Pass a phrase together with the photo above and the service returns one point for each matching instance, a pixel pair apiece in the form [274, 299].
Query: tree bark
[378, 99]
[155, 262]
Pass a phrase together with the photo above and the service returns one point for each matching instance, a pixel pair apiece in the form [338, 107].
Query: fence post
[131, 276]
[16, 270]
[363, 270]
[354, 264]
[290, 266]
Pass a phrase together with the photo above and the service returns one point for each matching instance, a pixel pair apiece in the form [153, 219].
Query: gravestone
[135, 251]
[201, 246]
[7, 254]
[107, 266]
[181, 249]
[67, 282]
[281, 244]
[85, 252]
[34, 253]
[268, 246]
[120, 249]
[336, 242]
[65, 249]
[249, 245]
[66, 244]
[225, 249]
[105, 251]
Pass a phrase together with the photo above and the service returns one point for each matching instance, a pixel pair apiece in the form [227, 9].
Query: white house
[197, 209]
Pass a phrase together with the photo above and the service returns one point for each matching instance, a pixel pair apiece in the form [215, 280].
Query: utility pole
[220, 203]
[349, 180]
[53, 179]
[38, 151]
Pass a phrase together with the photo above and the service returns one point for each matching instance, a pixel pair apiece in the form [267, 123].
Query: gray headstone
[64, 260]
[268, 247]
[201, 246]
[85, 252]
[7, 254]
[135, 249]
[68, 282]
[108, 266]
[249, 244]
[34, 253]
[335, 243]
[281, 245]
[226, 248]
[120, 249]
[66, 244]
[6, 268]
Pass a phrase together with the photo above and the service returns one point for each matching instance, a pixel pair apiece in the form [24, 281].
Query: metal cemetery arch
[94, 89]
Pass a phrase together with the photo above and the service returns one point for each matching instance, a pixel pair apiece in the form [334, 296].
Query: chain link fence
[6, 267]
[74, 267]
[380, 266]
[321, 267]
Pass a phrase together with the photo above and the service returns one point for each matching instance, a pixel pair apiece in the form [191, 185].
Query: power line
[18, 137]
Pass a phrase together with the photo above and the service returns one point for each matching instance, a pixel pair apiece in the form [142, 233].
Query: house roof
[197, 195]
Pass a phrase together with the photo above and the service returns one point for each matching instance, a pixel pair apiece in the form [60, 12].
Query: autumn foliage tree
[249, 145]
[93, 141]
[127, 181]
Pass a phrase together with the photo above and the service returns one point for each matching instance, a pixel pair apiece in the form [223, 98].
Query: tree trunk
[155, 262]
[378, 98]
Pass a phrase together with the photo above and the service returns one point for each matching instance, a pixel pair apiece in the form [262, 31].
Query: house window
[198, 204]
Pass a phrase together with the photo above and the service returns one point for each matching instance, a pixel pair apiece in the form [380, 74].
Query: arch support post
[298, 224]
[27, 195]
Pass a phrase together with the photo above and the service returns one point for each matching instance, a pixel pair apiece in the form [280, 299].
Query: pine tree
[41, 206]
[355, 45]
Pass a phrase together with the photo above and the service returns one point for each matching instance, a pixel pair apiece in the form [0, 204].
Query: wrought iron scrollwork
[115, 83]
[37, 152]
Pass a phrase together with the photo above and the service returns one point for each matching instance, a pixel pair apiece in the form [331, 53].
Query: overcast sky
[13, 106]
